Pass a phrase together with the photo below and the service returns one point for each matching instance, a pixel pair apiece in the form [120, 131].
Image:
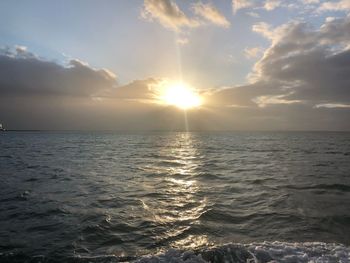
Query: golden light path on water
[179, 205]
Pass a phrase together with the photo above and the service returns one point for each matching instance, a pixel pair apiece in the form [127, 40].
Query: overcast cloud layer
[300, 82]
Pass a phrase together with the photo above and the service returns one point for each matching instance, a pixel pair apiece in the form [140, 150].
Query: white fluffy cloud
[272, 4]
[268, 5]
[253, 52]
[211, 14]
[307, 2]
[241, 4]
[168, 14]
[342, 5]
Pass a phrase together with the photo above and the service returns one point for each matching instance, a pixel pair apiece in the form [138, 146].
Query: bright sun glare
[180, 95]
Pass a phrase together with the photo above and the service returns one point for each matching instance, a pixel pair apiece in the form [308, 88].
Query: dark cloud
[303, 65]
[22, 74]
[136, 90]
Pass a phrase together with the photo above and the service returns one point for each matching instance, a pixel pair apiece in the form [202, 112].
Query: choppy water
[107, 197]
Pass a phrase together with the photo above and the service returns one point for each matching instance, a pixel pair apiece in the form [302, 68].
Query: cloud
[241, 4]
[342, 5]
[253, 14]
[168, 14]
[137, 90]
[300, 6]
[332, 105]
[253, 52]
[263, 101]
[310, 1]
[302, 80]
[22, 72]
[211, 14]
[263, 29]
[271, 4]
[21, 49]
[268, 5]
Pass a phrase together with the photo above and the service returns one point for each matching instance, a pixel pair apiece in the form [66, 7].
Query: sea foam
[265, 252]
[258, 252]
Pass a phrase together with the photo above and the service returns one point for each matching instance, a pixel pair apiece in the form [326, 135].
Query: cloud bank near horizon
[300, 82]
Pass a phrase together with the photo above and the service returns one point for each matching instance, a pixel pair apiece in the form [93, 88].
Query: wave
[259, 252]
[235, 253]
[338, 187]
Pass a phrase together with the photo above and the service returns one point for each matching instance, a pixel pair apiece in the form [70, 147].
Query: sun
[180, 95]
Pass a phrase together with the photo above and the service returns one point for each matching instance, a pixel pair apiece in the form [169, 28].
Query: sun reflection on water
[178, 204]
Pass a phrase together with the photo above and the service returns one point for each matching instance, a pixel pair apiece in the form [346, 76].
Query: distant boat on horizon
[1, 128]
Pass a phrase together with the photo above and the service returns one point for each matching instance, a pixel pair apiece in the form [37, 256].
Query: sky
[97, 64]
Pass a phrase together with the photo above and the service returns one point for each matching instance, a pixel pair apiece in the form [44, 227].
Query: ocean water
[175, 197]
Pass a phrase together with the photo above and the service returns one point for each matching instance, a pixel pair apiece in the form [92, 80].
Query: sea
[174, 197]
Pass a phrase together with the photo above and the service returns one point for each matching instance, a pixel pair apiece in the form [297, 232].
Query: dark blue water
[115, 196]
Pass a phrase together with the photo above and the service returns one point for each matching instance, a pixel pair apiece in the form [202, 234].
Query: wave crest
[258, 252]
[231, 253]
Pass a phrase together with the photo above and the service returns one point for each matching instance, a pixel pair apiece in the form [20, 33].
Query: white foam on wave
[302, 252]
[258, 252]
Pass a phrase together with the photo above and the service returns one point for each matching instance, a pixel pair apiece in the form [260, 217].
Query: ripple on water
[138, 194]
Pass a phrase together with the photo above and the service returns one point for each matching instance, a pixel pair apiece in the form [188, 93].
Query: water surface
[129, 195]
